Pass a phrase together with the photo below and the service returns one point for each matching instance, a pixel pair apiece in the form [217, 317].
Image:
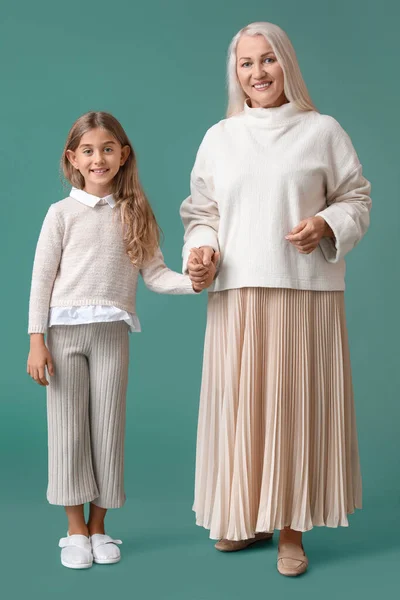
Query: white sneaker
[76, 552]
[105, 550]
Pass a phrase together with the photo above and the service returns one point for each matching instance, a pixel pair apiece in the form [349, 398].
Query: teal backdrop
[159, 67]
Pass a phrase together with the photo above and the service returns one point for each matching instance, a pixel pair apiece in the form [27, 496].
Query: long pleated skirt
[277, 441]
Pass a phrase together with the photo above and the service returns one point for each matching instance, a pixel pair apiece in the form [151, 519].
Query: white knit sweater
[81, 260]
[256, 176]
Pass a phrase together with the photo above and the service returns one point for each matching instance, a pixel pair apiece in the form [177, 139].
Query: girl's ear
[70, 154]
[125, 151]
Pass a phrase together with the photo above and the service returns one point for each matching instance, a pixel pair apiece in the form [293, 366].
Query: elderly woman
[277, 189]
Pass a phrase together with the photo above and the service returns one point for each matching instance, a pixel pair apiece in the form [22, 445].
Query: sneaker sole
[108, 561]
[74, 566]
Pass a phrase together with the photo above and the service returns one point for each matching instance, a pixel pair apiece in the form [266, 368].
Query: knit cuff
[37, 329]
[345, 232]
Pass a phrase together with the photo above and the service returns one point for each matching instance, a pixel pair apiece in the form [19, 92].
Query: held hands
[308, 233]
[202, 267]
[39, 357]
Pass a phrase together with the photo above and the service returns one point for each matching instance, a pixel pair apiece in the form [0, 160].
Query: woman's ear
[126, 150]
[70, 154]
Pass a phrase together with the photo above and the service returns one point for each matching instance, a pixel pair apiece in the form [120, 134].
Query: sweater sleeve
[45, 268]
[158, 278]
[199, 212]
[348, 203]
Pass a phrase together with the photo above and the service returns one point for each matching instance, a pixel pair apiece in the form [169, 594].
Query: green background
[159, 67]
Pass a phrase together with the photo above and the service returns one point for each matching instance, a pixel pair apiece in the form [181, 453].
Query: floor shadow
[375, 532]
[142, 541]
[150, 541]
[371, 532]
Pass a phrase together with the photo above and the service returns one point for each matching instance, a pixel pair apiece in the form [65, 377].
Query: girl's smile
[100, 171]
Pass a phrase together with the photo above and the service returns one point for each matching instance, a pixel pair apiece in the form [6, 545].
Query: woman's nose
[259, 71]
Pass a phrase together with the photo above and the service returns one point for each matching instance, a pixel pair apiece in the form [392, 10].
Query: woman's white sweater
[256, 176]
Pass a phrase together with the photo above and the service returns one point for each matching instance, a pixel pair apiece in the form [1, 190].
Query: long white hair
[295, 88]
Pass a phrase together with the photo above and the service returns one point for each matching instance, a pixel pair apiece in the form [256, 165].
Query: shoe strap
[290, 551]
[79, 541]
[99, 539]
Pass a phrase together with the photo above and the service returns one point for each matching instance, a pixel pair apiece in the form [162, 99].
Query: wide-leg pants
[86, 401]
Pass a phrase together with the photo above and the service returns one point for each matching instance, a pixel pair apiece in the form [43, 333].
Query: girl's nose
[98, 157]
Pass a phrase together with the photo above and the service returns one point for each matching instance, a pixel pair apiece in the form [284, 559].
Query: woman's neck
[278, 102]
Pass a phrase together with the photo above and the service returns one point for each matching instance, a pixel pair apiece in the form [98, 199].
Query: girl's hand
[38, 359]
[200, 275]
[308, 233]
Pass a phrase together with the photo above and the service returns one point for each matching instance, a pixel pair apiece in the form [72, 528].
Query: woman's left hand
[308, 233]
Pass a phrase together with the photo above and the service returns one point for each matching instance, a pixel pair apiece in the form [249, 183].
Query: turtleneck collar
[273, 116]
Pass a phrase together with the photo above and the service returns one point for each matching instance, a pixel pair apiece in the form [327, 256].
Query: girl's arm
[348, 201]
[45, 268]
[199, 212]
[158, 278]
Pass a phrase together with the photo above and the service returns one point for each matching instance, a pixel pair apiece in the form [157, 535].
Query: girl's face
[259, 72]
[98, 158]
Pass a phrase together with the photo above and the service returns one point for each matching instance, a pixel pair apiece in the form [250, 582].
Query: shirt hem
[63, 302]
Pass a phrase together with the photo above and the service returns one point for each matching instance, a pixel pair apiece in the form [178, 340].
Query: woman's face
[259, 72]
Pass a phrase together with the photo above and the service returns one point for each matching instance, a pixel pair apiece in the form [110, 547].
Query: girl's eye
[87, 151]
[108, 150]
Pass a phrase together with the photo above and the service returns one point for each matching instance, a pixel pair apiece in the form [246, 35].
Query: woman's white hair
[294, 86]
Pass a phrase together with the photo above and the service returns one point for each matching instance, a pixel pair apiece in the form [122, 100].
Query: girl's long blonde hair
[141, 232]
[294, 87]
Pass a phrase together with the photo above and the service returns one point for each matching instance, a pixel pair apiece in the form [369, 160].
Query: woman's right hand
[202, 267]
[208, 255]
[38, 359]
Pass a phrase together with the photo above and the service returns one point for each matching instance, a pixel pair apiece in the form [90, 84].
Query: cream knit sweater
[256, 176]
[81, 260]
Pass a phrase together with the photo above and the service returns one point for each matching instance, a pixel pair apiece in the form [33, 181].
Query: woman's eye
[269, 59]
[246, 64]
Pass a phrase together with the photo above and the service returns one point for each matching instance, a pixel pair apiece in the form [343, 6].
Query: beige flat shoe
[233, 546]
[292, 560]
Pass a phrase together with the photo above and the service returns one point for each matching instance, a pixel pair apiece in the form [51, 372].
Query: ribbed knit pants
[86, 401]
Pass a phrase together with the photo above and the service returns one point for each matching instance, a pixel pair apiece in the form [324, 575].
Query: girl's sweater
[81, 260]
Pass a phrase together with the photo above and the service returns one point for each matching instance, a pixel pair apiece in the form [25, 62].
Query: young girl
[91, 249]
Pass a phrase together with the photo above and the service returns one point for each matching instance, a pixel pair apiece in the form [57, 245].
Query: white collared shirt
[78, 315]
[90, 200]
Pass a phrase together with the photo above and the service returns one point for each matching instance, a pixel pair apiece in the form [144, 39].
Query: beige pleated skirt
[277, 441]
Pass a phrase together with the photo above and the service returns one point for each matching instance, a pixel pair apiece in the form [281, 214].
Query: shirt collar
[91, 200]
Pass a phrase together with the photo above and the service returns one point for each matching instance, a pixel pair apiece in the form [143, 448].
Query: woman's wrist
[328, 232]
